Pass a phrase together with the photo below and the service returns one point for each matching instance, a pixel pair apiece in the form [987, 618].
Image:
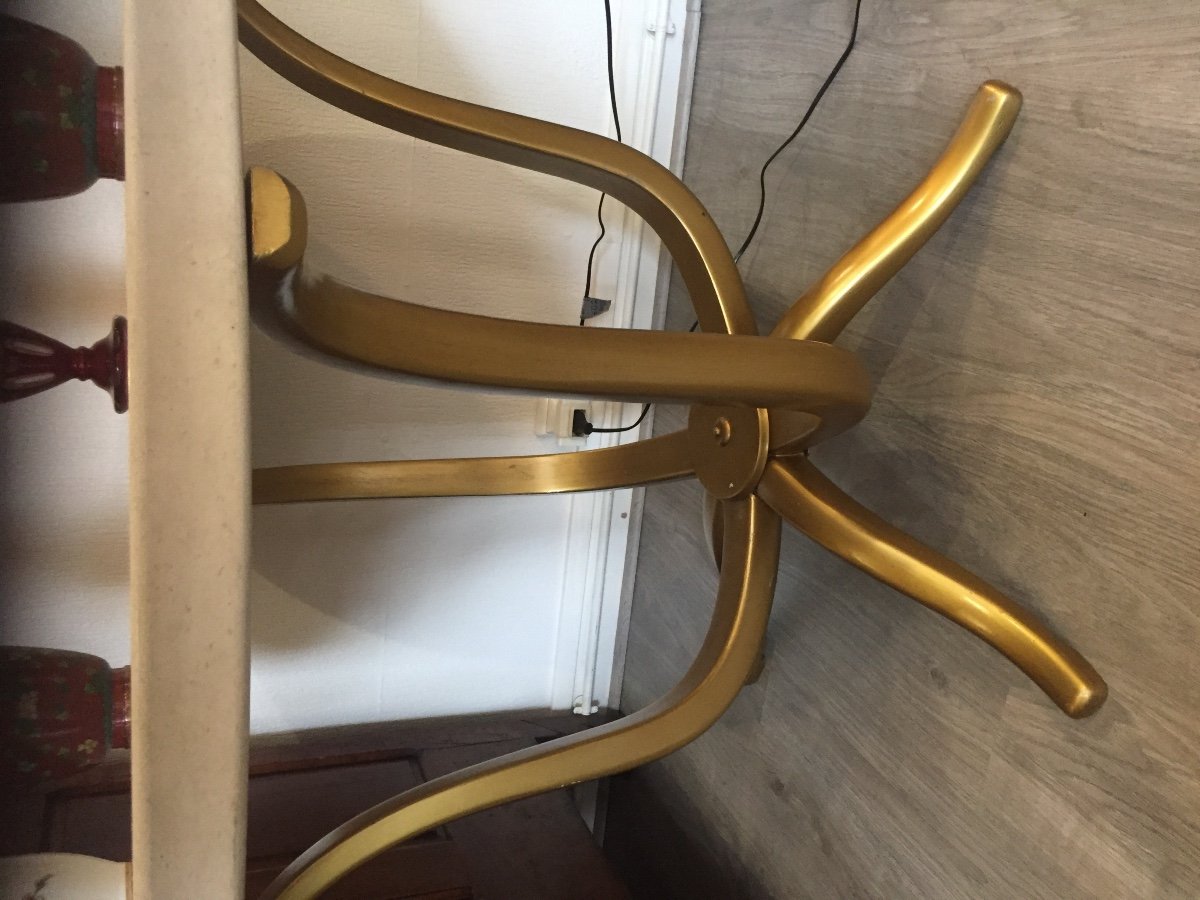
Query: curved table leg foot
[821, 510]
[827, 307]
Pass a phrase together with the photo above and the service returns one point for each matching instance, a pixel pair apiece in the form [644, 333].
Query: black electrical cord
[589, 428]
[812, 107]
[585, 426]
[762, 173]
[587, 280]
[612, 99]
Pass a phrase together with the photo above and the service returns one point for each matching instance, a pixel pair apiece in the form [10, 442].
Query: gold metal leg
[608, 363]
[620, 364]
[812, 389]
[728, 655]
[633, 178]
[814, 505]
[827, 307]
[659, 459]
[821, 510]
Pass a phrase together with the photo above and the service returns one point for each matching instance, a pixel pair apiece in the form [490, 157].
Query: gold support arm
[645, 462]
[565, 360]
[386, 335]
[818, 508]
[635, 179]
[827, 307]
[729, 652]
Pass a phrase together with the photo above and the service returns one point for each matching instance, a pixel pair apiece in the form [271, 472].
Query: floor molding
[653, 64]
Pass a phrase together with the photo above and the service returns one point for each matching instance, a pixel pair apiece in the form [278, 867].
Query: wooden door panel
[302, 786]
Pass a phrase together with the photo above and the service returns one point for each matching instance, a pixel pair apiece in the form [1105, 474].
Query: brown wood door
[304, 785]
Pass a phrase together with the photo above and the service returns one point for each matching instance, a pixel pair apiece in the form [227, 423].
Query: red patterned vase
[61, 115]
[60, 712]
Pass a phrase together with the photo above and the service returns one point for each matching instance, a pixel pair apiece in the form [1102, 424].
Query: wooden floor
[1036, 417]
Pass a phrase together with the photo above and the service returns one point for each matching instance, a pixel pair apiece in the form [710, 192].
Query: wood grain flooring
[1036, 418]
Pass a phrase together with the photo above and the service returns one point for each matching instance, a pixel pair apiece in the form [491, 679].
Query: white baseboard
[654, 61]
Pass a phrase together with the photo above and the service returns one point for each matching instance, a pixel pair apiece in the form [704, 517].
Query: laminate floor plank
[1036, 418]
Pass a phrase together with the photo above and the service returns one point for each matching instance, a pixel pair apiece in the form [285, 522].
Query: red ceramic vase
[60, 712]
[61, 115]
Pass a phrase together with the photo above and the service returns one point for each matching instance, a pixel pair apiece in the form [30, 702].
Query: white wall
[383, 609]
[393, 609]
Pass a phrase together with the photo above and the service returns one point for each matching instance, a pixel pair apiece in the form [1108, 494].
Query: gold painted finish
[564, 360]
[633, 178]
[813, 504]
[714, 526]
[756, 670]
[645, 462]
[824, 309]
[664, 458]
[743, 454]
[817, 507]
[395, 336]
[726, 659]
[278, 226]
[729, 448]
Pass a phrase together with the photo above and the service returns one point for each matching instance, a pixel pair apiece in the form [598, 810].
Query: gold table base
[758, 403]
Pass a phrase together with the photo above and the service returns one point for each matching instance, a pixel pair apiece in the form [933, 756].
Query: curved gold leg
[658, 459]
[686, 229]
[820, 509]
[564, 360]
[725, 660]
[814, 505]
[814, 390]
[361, 328]
[827, 307]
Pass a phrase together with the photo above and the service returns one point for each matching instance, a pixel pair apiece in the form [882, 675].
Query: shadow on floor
[659, 857]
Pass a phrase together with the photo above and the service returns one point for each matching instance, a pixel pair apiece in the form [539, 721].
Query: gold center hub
[729, 448]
